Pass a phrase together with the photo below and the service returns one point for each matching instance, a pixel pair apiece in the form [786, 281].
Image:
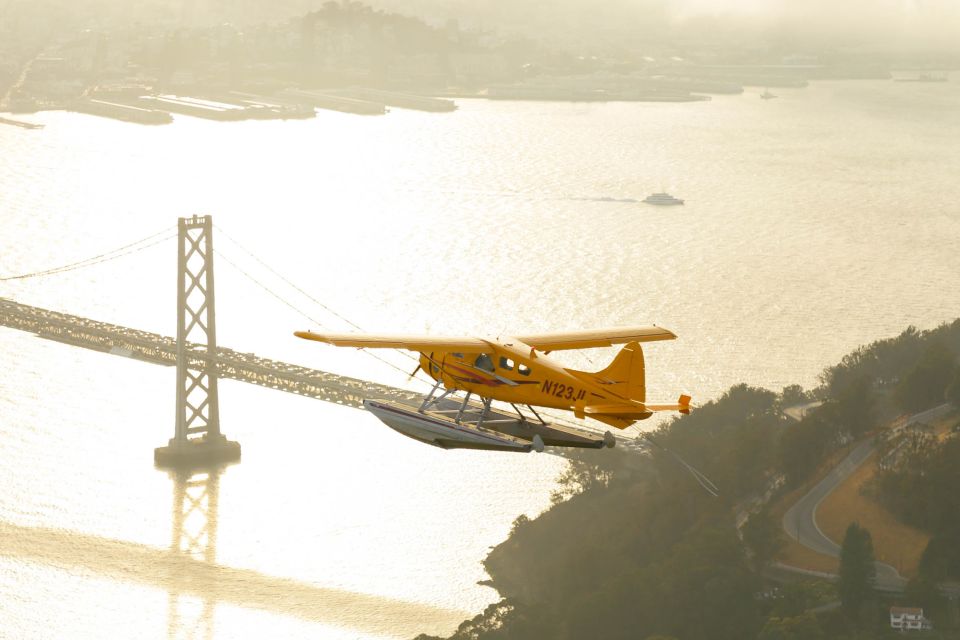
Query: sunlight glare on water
[813, 223]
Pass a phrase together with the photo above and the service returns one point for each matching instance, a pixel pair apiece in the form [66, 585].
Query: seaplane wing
[595, 338]
[396, 341]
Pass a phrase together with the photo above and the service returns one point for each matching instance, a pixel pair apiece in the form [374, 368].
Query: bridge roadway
[158, 349]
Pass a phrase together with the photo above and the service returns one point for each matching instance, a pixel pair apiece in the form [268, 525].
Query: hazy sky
[897, 19]
[879, 24]
[885, 23]
[825, 8]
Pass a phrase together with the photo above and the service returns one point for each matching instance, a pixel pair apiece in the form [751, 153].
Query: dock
[562, 93]
[208, 110]
[399, 100]
[121, 111]
[21, 124]
[158, 349]
[156, 109]
[263, 107]
[334, 102]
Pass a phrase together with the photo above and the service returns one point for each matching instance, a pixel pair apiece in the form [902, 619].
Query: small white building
[799, 411]
[908, 619]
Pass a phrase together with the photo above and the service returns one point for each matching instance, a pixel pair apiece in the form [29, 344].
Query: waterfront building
[909, 619]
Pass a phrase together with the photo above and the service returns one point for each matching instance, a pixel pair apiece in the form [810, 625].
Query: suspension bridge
[196, 454]
[200, 362]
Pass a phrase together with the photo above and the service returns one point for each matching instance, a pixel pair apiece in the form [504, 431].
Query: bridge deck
[158, 349]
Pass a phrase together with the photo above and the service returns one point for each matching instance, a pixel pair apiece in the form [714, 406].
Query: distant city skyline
[895, 24]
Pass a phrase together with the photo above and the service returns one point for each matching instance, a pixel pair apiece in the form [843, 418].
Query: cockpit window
[523, 369]
[484, 361]
[506, 363]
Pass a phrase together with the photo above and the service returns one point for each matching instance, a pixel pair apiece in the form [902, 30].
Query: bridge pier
[197, 441]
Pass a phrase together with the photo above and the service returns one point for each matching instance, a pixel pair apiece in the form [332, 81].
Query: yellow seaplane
[516, 371]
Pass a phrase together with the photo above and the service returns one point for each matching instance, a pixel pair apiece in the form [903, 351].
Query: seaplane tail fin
[682, 405]
[626, 375]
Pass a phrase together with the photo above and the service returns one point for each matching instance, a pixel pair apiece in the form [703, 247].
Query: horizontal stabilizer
[624, 411]
[682, 405]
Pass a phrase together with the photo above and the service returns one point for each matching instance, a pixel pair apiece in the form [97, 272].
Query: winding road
[800, 521]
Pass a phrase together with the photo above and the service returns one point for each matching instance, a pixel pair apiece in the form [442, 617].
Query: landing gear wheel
[608, 440]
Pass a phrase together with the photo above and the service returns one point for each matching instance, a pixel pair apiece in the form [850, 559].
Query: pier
[334, 102]
[399, 100]
[20, 123]
[142, 106]
[119, 111]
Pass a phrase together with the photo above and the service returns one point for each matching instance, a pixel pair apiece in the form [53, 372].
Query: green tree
[919, 486]
[855, 406]
[793, 394]
[857, 571]
[802, 627]
[925, 384]
[803, 445]
[924, 593]
[763, 535]
[884, 360]
[796, 597]
[952, 393]
[941, 558]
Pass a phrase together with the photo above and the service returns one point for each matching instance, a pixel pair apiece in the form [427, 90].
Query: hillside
[635, 547]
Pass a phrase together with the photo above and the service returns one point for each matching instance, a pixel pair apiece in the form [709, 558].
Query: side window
[523, 369]
[458, 356]
[506, 363]
[484, 361]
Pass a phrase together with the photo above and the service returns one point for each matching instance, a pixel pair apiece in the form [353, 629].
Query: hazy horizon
[887, 24]
[881, 25]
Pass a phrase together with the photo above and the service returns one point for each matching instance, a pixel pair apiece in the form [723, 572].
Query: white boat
[925, 77]
[662, 199]
[766, 95]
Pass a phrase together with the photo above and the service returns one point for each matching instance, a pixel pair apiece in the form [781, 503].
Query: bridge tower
[197, 441]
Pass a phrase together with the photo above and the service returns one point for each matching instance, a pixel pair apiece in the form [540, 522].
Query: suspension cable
[320, 304]
[119, 252]
[288, 282]
[698, 475]
[300, 311]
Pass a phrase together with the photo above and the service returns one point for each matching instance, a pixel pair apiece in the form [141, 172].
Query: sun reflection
[194, 535]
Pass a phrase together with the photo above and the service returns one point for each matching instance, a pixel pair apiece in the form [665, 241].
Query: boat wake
[602, 199]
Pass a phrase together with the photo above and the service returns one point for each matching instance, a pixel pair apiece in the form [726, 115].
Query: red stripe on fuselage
[492, 382]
